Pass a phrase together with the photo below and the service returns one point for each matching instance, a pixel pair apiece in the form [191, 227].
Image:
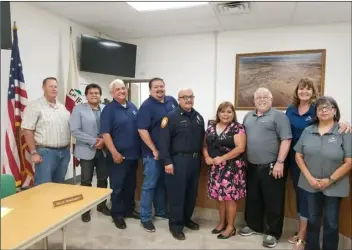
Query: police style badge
[164, 122]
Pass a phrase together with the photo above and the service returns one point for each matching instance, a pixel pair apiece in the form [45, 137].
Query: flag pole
[73, 145]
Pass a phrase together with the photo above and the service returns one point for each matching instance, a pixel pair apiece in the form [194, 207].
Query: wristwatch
[34, 152]
[332, 181]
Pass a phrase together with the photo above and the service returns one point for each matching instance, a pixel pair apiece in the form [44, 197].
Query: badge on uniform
[164, 122]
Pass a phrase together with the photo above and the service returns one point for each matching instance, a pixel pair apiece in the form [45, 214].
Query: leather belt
[193, 155]
[57, 148]
[262, 165]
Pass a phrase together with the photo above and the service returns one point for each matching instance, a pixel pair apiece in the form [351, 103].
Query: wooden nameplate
[68, 200]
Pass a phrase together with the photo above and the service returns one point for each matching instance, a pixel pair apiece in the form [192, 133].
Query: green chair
[8, 185]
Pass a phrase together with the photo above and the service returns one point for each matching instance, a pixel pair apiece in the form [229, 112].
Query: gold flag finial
[14, 25]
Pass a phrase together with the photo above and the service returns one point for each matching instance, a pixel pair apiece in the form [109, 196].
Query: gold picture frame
[280, 72]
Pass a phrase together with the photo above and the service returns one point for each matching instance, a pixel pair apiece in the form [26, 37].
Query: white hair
[116, 82]
[184, 89]
[263, 91]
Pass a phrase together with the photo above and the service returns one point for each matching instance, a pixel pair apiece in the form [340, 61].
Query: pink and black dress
[227, 181]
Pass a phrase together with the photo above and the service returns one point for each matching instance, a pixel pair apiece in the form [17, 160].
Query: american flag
[17, 157]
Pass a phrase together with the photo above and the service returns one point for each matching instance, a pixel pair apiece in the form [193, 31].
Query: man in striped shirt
[46, 129]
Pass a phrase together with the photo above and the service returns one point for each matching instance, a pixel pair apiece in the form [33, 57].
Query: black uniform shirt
[181, 132]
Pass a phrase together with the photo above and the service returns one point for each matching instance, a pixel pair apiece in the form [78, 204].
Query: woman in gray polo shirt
[324, 158]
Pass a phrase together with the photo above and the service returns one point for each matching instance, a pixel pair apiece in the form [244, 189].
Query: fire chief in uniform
[180, 142]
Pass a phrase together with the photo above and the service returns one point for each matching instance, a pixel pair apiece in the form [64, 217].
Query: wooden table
[33, 216]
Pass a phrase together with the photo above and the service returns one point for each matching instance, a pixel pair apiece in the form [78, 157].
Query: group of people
[249, 160]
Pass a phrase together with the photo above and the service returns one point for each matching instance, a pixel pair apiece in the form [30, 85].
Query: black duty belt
[193, 155]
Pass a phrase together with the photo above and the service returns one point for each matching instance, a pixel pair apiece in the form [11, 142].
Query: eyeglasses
[262, 97]
[187, 97]
[327, 108]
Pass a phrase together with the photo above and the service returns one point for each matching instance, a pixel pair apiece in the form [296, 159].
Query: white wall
[182, 61]
[206, 62]
[335, 38]
[44, 48]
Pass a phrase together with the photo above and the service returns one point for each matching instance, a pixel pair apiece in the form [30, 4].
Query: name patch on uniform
[164, 122]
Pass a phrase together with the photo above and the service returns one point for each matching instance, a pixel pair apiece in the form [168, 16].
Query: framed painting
[280, 72]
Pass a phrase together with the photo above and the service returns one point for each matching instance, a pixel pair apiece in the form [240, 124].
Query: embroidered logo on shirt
[173, 106]
[134, 112]
[332, 139]
[309, 118]
[164, 122]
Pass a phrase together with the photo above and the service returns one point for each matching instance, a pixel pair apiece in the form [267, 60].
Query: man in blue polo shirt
[119, 129]
[149, 118]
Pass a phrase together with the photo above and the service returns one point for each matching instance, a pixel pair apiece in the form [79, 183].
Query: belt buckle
[194, 155]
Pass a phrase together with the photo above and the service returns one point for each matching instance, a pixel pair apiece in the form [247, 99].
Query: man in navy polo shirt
[119, 129]
[149, 118]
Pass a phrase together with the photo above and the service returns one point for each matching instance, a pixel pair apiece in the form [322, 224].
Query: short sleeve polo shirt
[264, 135]
[322, 156]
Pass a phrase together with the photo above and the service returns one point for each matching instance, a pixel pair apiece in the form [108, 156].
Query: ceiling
[120, 21]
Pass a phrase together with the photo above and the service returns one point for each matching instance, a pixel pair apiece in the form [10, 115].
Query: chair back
[8, 185]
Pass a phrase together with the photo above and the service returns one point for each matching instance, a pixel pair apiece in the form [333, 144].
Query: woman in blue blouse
[301, 114]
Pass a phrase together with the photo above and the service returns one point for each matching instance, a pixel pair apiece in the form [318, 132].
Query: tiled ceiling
[119, 20]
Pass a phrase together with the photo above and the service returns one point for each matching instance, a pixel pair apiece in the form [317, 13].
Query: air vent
[230, 8]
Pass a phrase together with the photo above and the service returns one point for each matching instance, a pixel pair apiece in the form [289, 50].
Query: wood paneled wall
[290, 203]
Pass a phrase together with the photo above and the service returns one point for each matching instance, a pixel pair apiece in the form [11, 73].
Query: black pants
[265, 201]
[123, 184]
[182, 189]
[87, 170]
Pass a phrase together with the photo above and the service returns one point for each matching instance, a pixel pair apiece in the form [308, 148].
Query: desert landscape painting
[280, 72]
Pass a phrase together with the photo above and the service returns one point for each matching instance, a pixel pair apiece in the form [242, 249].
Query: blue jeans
[301, 197]
[53, 167]
[153, 189]
[320, 205]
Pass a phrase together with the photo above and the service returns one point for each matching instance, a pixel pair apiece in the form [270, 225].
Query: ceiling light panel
[154, 6]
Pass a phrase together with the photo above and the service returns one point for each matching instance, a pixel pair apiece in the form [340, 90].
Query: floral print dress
[227, 181]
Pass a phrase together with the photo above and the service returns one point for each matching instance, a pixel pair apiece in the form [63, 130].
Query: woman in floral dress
[224, 144]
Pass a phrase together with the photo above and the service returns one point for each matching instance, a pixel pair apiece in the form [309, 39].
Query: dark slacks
[265, 200]
[182, 189]
[326, 207]
[123, 185]
[87, 170]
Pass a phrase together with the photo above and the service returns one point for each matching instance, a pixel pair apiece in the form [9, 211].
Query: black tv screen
[6, 37]
[108, 57]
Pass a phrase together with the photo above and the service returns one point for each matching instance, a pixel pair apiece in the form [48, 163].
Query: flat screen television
[108, 57]
[6, 36]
